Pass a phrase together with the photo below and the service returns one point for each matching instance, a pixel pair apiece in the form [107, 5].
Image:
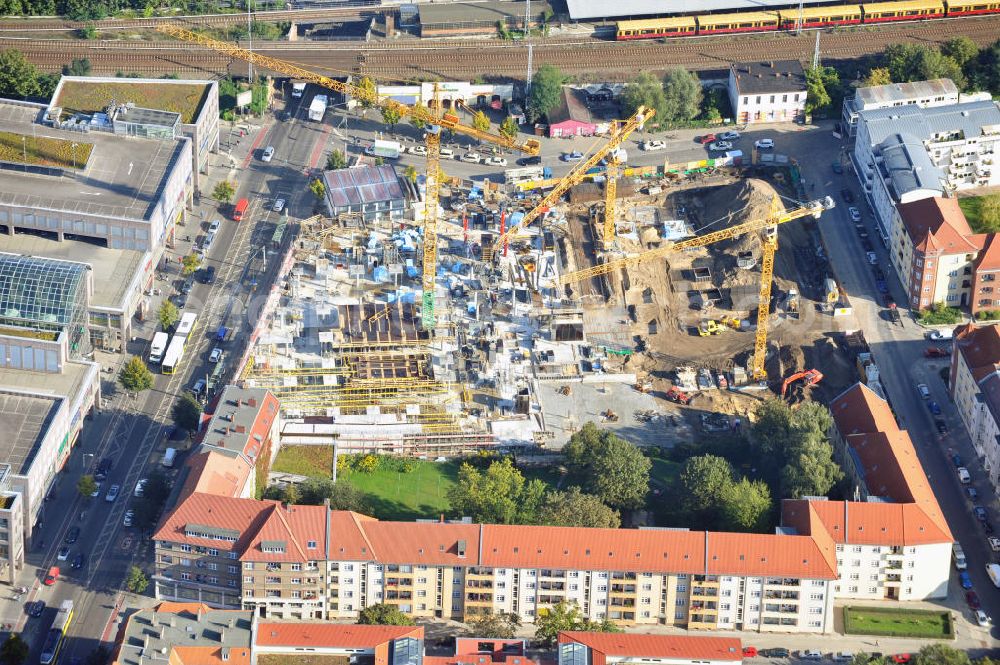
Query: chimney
[173, 621]
[252, 402]
[241, 429]
[199, 611]
[222, 635]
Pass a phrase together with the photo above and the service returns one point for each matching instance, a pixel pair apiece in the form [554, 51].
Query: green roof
[94, 96]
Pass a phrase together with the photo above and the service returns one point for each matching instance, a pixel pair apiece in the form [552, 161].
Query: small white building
[975, 387]
[936, 92]
[449, 92]
[772, 91]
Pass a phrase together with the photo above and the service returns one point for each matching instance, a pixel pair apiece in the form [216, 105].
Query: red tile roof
[244, 516]
[331, 635]
[431, 543]
[658, 646]
[213, 472]
[989, 256]
[980, 348]
[937, 225]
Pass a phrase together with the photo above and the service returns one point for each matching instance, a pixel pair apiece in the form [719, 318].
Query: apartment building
[975, 388]
[936, 92]
[908, 153]
[773, 91]
[892, 542]
[244, 424]
[587, 648]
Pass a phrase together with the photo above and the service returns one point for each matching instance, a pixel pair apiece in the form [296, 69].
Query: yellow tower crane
[434, 121]
[577, 175]
[770, 244]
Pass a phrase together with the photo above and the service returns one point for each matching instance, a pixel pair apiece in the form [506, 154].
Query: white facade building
[772, 91]
[936, 92]
[975, 387]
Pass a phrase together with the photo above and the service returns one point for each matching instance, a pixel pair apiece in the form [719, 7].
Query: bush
[939, 314]
[367, 464]
[988, 315]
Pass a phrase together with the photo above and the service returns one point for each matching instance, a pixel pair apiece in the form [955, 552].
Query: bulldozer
[810, 377]
[675, 394]
[711, 327]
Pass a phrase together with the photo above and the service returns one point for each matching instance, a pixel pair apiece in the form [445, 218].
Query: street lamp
[74, 146]
[24, 150]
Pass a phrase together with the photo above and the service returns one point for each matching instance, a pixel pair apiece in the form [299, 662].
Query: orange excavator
[810, 376]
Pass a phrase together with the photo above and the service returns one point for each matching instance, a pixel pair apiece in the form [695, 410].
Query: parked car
[496, 161]
[837, 168]
[472, 157]
[72, 535]
[129, 516]
[901, 658]
[972, 492]
[62, 554]
[198, 389]
[994, 543]
[872, 258]
[140, 486]
[215, 356]
[956, 459]
[936, 352]
[97, 491]
[965, 580]
[51, 576]
[934, 407]
[215, 226]
[707, 138]
[719, 146]
[574, 156]
[268, 153]
[279, 205]
[844, 656]
[78, 561]
[36, 609]
[810, 654]
[854, 213]
[533, 160]
[187, 286]
[749, 652]
[972, 600]
[729, 136]
[847, 195]
[653, 145]
[963, 475]
[764, 144]
[417, 150]
[775, 652]
[942, 428]
[982, 618]
[113, 493]
[980, 513]
[925, 392]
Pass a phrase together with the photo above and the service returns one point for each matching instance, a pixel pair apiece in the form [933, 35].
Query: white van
[947, 333]
[958, 557]
[447, 152]
[964, 476]
[993, 570]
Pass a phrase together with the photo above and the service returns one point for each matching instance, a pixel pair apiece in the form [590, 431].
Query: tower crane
[770, 244]
[576, 176]
[434, 121]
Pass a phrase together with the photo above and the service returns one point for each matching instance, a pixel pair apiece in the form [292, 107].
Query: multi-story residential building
[773, 91]
[245, 424]
[910, 152]
[587, 648]
[936, 92]
[893, 542]
[189, 633]
[975, 387]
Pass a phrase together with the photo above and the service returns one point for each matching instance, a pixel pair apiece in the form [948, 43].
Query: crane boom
[575, 176]
[365, 94]
[814, 208]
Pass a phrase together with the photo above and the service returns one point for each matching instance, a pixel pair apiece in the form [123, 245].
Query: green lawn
[664, 472]
[970, 206]
[312, 461]
[897, 622]
[406, 496]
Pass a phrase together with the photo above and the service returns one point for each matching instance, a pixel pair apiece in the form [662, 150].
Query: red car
[901, 658]
[707, 138]
[936, 352]
[972, 600]
[749, 652]
[52, 576]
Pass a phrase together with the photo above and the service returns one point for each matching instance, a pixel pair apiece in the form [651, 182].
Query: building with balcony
[587, 648]
[892, 542]
[975, 387]
[911, 152]
[936, 92]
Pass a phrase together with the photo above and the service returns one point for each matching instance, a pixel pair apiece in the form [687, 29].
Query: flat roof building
[188, 633]
[372, 191]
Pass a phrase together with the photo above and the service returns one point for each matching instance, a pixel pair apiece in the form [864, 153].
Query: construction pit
[512, 359]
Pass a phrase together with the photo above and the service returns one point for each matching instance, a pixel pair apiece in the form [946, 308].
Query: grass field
[91, 97]
[406, 496]
[664, 472]
[44, 151]
[970, 206]
[897, 622]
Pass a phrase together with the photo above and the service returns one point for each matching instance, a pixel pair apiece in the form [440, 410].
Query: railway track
[496, 58]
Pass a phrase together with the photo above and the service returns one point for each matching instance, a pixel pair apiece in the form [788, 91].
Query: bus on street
[175, 352]
[185, 327]
[159, 347]
[57, 634]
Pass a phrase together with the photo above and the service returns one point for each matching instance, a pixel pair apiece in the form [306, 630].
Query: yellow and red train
[812, 17]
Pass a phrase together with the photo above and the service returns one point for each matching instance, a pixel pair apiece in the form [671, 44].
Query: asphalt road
[133, 431]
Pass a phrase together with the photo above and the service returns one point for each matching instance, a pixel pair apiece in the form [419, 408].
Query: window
[186, 576]
[213, 552]
[296, 580]
[602, 587]
[500, 599]
[647, 587]
[746, 100]
[185, 548]
[796, 96]
[681, 588]
[213, 566]
[815, 596]
[874, 564]
[815, 610]
[296, 566]
[248, 579]
[772, 99]
[784, 98]
[679, 615]
[680, 602]
[852, 589]
[186, 562]
[646, 601]
[311, 545]
[248, 566]
[758, 99]
[856, 562]
[232, 570]
[456, 594]
[231, 583]
[872, 589]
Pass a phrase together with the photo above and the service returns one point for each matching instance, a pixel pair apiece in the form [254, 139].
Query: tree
[746, 506]
[702, 482]
[878, 76]
[611, 468]
[342, 496]
[391, 115]
[567, 616]
[79, 67]
[86, 486]
[369, 97]
[682, 92]
[645, 90]
[817, 97]
[336, 160]
[384, 615]
[14, 650]
[499, 496]
[509, 127]
[189, 264]
[941, 654]
[481, 122]
[502, 626]
[417, 121]
[18, 77]
[546, 91]
[136, 581]
[134, 376]
[794, 453]
[318, 188]
[224, 192]
[168, 314]
[921, 62]
[410, 173]
[960, 49]
[187, 413]
[574, 508]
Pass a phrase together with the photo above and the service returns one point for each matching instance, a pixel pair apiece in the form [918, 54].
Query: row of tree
[83, 10]
[959, 59]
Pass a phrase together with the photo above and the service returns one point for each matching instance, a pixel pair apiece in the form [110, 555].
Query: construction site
[658, 302]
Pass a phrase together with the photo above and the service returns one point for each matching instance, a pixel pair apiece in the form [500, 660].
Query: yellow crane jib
[576, 176]
[814, 208]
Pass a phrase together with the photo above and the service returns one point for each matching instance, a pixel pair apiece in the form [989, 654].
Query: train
[812, 17]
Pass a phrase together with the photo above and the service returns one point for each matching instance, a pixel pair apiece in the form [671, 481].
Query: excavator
[711, 327]
[810, 377]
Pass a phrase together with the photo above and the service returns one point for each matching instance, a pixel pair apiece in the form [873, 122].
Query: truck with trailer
[387, 149]
[317, 109]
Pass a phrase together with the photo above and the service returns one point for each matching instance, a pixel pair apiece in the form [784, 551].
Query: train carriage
[916, 10]
[716, 24]
[678, 26]
[972, 8]
[821, 17]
